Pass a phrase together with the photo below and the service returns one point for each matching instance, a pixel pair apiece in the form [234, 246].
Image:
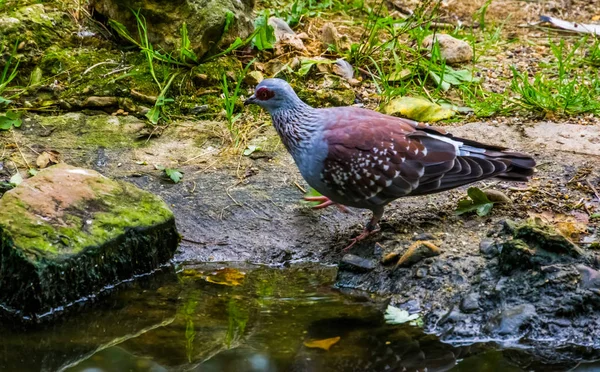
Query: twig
[99, 64]
[299, 187]
[593, 188]
[20, 152]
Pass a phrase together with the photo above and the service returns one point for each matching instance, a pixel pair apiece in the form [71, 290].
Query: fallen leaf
[251, 149]
[478, 202]
[226, 276]
[418, 109]
[394, 315]
[16, 179]
[47, 158]
[174, 174]
[324, 344]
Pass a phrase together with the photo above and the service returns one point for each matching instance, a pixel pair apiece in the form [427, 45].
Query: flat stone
[512, 319]
[69, 232]
[351, 262]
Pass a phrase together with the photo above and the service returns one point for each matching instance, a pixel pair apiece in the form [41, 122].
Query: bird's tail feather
[520, 167]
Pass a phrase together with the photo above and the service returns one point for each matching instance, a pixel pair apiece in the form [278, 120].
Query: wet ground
[215, 317]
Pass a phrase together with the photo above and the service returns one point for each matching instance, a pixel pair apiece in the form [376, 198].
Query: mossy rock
[68, 232]
[532, 245]
[206, 21]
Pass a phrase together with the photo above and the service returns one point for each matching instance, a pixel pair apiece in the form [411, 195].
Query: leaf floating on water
[394, 315]
[324, 344]
[226, 276]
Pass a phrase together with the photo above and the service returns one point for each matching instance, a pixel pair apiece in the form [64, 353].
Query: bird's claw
[324, 202]
[366, 233]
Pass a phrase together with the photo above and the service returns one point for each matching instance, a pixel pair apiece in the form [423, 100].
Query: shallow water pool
[247, 318]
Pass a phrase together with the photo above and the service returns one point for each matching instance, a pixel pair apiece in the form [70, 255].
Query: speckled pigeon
[364, 159]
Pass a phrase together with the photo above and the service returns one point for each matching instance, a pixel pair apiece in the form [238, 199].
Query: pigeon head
[273, 95]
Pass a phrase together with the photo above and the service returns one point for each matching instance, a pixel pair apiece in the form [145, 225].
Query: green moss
[91, 243]
[83, 131]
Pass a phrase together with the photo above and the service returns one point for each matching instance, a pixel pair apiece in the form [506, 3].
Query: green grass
[230, 100]
[560, 87]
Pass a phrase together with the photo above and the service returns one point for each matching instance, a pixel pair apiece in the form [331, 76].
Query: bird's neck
[296, 125]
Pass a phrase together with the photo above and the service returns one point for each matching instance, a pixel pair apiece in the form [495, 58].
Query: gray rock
[488, 247]
[451, 49]
[205, 20]
[351, 262]
[470, 303]
[590, 278]
[513, 319]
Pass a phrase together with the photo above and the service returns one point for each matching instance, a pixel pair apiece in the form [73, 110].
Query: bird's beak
[250, 100]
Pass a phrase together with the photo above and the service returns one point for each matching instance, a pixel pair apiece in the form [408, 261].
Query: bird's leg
[371, 228]
[324, 202]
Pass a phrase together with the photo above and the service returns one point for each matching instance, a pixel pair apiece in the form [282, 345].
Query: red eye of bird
[264, 94]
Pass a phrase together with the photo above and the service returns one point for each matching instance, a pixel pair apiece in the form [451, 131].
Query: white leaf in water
[393, 315]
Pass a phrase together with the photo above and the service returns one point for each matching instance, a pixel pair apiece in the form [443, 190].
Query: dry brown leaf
[227, 276]
[324, 344]
[47, 158]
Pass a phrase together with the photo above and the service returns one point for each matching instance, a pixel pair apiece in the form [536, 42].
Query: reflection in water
[249, 318]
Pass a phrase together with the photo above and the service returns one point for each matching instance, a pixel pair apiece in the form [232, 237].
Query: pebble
[488, 247]
[253, 78]
[453, 50]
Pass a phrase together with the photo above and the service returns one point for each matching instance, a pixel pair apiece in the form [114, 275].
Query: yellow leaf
[418, 109]
[324, 344]
[226, 276]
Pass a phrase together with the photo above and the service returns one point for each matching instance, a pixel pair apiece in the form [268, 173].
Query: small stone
[201, 79]
[99, 102]
[453, 50]
[417, 252]
[497, 196]
[488, 247]
[199, 109]
[351, 262]
[329, 35]
[253, 78]
[590, 278]
[423, 236]
[470, 303]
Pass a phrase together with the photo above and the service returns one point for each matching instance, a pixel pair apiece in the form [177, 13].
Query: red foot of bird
[324, 202]
[366, 233]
